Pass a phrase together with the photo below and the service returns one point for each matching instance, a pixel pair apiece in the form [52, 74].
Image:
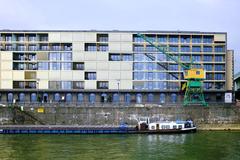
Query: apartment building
[109, 66]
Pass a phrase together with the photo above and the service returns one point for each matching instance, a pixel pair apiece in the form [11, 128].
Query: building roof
[130, 31]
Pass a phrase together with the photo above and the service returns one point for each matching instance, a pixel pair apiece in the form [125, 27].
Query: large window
[162, 38]
[196, 39]
[150, 98]
[139, 98]
[185, 49]
[208, 67]
[68, 97]
[66, 85]
[66, 56]
[207, 58]
[185, 39]
[207, 49]
[42, 65]
[219, 48]
[80, 98]
[66, 66]
[127, 98]
[219, 58]
[92, 98]
[219, 67]
[207, 39]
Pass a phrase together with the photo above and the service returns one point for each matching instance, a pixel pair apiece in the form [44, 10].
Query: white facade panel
[54, 37]
[90, 84]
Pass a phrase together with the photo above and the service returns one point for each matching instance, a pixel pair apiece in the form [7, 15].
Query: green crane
[193, 76]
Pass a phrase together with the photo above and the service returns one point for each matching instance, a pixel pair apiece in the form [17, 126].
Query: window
[90, 76]
[127, 57]
[102, 37]
[185, 39]
[209, 76]
[208, 67]
[10, 97]
[185, 58]
[55, 65]
[219, 85]
[207, 58]
[162, 98]
[196, 49]
[219, 48]
[196, 39]
[173, 67]
[219, 67]
[116, 98]
[33, 97]
[66, 84]
[219, 58]
[173, 48]
[78, 65]
[137, 39]
[56, 47]
[103, 47]
[208, 85]
[57, 97]
[78, 85]
[173, 97]
[138, 75]
[66, 66]
[21, 97]
[102, 85]
[114, 57]
[138, 48]
[219, 76]
[127, 98]
[90, 47]
[42, 65]
[67, 56]
[150, 98]
[92, 98]
[54, 56]
[162, 38]
[68, 97]
[207, 39]
[196, 58]
[173, 39]
[139, 98]
[207, 49]
[173, 85]
[80, 98]
[54, 85]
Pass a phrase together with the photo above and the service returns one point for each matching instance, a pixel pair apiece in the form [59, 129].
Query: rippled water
[201, 145]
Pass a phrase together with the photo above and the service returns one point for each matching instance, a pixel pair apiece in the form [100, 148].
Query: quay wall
[206, 117]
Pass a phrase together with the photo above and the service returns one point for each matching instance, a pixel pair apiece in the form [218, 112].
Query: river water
[200, 145]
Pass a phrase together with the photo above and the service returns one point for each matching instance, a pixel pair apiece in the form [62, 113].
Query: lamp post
[118, 83]
[38, 89]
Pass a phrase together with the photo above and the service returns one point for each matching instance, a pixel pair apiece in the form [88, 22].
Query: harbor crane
[194, 76]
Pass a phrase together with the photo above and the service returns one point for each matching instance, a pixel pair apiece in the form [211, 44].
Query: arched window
[57, 97]
[33, 97]
[127, 98]
[150, 97]
[139, 98]
[45, 97]
[115, 98]
[10, 97]
[104, 97]
[173, 98]
[92, 98]
[162, 98]
[21, 97]
[68, 97]
[80, 98]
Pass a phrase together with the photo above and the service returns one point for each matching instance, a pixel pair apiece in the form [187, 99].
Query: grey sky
[187, 15]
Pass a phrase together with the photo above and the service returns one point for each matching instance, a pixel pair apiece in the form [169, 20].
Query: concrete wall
[114, 115]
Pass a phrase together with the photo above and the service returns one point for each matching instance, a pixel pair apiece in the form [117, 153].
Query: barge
[143, 127]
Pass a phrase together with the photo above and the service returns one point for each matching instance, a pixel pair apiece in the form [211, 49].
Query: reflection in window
[92, 98]
[68, 97]
[139, 98]
[127, 98]
[80, 98]
[150, 98]
[115, 98]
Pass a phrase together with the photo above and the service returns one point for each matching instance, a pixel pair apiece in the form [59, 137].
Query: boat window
[180, 126]
[153, 127]
[167, 126]
[174, 127]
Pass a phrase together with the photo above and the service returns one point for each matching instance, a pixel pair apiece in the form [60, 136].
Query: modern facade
[109, 66]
